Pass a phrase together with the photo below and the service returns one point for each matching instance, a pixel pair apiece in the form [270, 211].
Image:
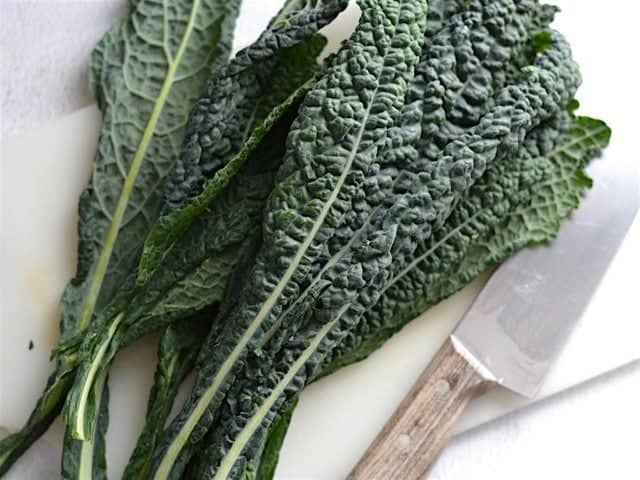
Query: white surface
[44, 46]
[581, 419]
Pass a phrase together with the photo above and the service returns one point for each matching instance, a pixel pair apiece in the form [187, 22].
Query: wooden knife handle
[415, 435]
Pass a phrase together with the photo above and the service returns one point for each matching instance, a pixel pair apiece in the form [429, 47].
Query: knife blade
[513, 331]
[522, 318]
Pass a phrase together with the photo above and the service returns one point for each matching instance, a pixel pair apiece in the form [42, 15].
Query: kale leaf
[146, 74]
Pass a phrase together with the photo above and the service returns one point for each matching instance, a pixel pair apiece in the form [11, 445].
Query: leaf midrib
[80, 415]
[85, 467]
[118, 216]
[123, 201]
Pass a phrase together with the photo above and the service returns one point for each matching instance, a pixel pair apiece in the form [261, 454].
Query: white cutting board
[42, 175]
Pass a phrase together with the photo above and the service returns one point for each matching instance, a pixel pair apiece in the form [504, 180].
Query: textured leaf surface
[478, 45]
[82, 460]
[243, 94]
[441, 10]
[209, 250]
[233, 443]
[515, 205]
[419, 204]
[342, 123]
[194, 273]
[232, 116]
[515, 28]
[146, 74]
[438, 12]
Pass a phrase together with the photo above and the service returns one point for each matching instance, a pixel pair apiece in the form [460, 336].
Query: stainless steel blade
[523, 316]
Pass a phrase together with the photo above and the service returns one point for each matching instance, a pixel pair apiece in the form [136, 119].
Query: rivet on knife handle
[414, 436]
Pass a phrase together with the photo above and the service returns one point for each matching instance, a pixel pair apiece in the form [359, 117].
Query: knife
[513, 331]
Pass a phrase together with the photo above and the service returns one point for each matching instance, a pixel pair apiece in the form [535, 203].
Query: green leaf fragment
[273, 445]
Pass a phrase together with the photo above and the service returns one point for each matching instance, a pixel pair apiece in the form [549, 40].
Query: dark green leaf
[342, 123]
[418, 204]
[146, 73]
[516, 204]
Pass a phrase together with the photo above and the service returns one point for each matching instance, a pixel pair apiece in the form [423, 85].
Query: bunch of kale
[311, 212]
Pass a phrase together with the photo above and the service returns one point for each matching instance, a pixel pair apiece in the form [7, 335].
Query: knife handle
[415, 435]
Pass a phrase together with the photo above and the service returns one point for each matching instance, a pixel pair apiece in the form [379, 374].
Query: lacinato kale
[196, 262]
[281, 218]
[146, 79]
[342, 123]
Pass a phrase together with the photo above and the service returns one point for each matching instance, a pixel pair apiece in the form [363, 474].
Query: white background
[590, 432]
